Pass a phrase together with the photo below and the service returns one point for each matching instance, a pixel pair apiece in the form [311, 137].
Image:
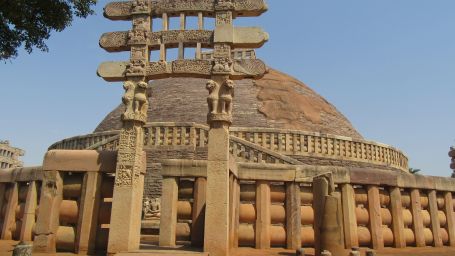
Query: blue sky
[388, 65]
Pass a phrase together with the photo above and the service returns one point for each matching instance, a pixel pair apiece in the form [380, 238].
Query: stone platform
[6, 248]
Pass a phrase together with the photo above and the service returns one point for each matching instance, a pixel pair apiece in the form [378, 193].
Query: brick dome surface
[275, 101]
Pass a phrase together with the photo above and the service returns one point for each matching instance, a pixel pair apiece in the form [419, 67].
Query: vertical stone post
[49, 214]
[236, 217]
[197, 226]
[332, 236]
[397, 217]
[448, 209]
[28, 219]
[417, 221]
[293, 216]
[10, 213]
[263, 219]
[216, 238]
[168, 220]
[435, 224]
[234, 201]
[320, 191]
[125, 225]
[374, 209]
[349, 218]
[219, 118]
[88, 213]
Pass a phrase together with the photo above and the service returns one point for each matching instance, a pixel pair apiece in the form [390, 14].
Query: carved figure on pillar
[220, 101]
[137, 36]
[135, 68]
[225, 5]
[222, 66]
[226, 97]
[135, 100]
[140, 6]
[212, 100]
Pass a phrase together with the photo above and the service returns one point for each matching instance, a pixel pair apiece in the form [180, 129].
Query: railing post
[349, 217]
[168, 221]
[293, 216]
[263, 219]
[48, 216]
[28, 219]
[417, 221]
[197, 228]
[435, 224]
[216, 240]
[320, 191]
[10, 213]
[448, 209]
[233, 205]
[397, 217]
[88, 213]
[374, 209]
[236, 191]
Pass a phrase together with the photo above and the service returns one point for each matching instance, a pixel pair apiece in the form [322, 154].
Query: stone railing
[73, 192]
[298, 143]
[276, 205]
[97, 141]
[19, 197]
[176, 134]
[245, 151]
[279, 141]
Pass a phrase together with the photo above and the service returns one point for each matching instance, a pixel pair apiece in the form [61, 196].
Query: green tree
[30, 22]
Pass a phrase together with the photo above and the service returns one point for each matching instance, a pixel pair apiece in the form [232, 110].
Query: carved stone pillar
[219, 118]
[125, 225]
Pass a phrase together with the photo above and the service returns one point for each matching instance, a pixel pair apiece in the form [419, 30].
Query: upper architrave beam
[248, 68]
[173, 8]
[249, 37]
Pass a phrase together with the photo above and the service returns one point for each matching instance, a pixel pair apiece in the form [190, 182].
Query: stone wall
[153, 177]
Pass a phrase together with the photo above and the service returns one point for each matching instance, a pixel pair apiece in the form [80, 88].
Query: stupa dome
[275, 101]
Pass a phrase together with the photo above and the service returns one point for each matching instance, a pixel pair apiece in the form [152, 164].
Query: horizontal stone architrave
[23, 174]
[242, 37]
[183, 168]
[242, 8]
[115, 71]
[80, 161]
[118, 41]
[306, 173]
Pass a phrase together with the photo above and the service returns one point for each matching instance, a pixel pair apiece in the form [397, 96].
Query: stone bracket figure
[135, 100]
[220, 100]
